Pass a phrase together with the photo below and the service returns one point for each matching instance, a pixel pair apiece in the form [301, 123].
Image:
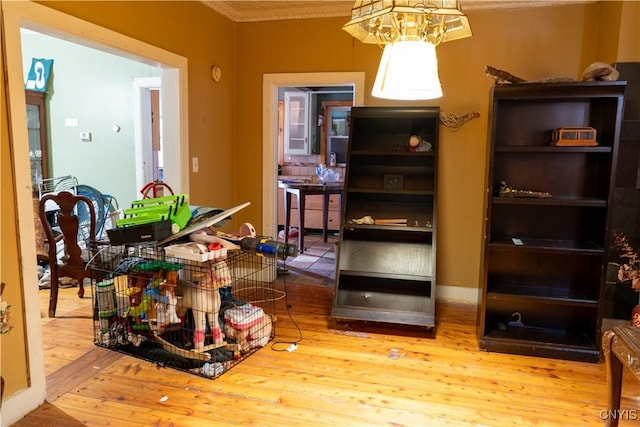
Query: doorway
[270, 85]
[148, 130]
[121, 128]
[31, 15]
[170, 82]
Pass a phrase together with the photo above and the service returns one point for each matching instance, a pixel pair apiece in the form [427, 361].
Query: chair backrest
[73, 231]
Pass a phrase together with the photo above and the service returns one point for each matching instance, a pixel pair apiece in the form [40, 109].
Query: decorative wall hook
[454, 121]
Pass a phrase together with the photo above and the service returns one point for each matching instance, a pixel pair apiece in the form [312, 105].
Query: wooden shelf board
[585, 352]
[385, 275]
[384, 191]
[548, 245]
[550, 149]
[548, 295]
[541, 336]
[551, 201]
[388, 228]
[381, 259]
[382, 315]
[393, 153]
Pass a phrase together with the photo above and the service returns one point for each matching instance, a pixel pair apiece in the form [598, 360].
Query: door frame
[270, 85]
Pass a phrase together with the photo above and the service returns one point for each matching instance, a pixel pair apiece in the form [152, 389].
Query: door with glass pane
[296, 119]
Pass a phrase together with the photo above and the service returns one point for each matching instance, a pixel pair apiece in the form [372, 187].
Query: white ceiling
[263, 10]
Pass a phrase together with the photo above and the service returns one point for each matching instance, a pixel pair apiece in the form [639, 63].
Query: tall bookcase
[545, 251]
[386, 272]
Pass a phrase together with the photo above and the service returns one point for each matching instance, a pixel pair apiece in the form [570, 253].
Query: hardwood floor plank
[73, 375]
[423, 390]
[347, 374]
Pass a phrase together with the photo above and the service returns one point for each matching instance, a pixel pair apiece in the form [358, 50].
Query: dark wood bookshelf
[386, 273]
[545, 257]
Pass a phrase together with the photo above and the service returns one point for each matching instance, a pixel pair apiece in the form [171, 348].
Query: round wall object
[216, 73]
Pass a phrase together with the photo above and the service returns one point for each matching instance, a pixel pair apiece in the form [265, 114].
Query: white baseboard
[458, 294]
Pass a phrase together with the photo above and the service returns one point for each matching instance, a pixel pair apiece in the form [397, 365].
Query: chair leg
[80, 288]
[53, 295]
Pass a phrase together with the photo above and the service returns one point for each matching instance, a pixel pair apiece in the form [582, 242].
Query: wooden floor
[340, 375]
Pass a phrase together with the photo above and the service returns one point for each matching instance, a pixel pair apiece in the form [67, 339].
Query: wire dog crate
[202, 317]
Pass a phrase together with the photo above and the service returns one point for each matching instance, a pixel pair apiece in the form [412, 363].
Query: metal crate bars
[199, 317]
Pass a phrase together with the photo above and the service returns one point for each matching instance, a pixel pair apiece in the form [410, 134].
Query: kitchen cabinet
[296, 123]
[548, 213]
[338, 135]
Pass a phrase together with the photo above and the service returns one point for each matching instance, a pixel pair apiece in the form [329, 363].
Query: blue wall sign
[39, 74]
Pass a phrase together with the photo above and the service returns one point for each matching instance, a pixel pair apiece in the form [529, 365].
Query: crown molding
[259, 11]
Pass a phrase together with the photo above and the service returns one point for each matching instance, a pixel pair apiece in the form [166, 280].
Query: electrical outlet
[194, 164]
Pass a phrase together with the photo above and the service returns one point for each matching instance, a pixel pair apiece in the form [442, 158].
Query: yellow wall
[225, 118]
[629, 34]
[531, 43]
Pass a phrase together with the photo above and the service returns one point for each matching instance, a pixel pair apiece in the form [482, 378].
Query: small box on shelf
[574, 137]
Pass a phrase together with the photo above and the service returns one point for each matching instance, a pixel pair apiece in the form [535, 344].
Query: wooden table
[621, 347]
[302, 190]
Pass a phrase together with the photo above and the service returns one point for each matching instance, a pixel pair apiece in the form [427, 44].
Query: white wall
[95, 88]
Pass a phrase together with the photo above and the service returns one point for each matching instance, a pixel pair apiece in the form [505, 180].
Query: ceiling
[255, 11]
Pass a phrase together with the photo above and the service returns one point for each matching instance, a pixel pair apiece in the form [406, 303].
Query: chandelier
[409, 31]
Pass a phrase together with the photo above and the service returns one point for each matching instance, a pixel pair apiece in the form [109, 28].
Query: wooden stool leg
[301, 206]
[325, 216]
[287, 214]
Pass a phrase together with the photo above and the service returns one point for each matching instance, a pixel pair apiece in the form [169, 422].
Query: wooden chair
[74, 262]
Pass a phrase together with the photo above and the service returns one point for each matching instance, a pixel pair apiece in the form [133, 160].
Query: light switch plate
[85, 136]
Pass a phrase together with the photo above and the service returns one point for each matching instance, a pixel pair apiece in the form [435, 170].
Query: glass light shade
[408, 70]
[378, 21]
